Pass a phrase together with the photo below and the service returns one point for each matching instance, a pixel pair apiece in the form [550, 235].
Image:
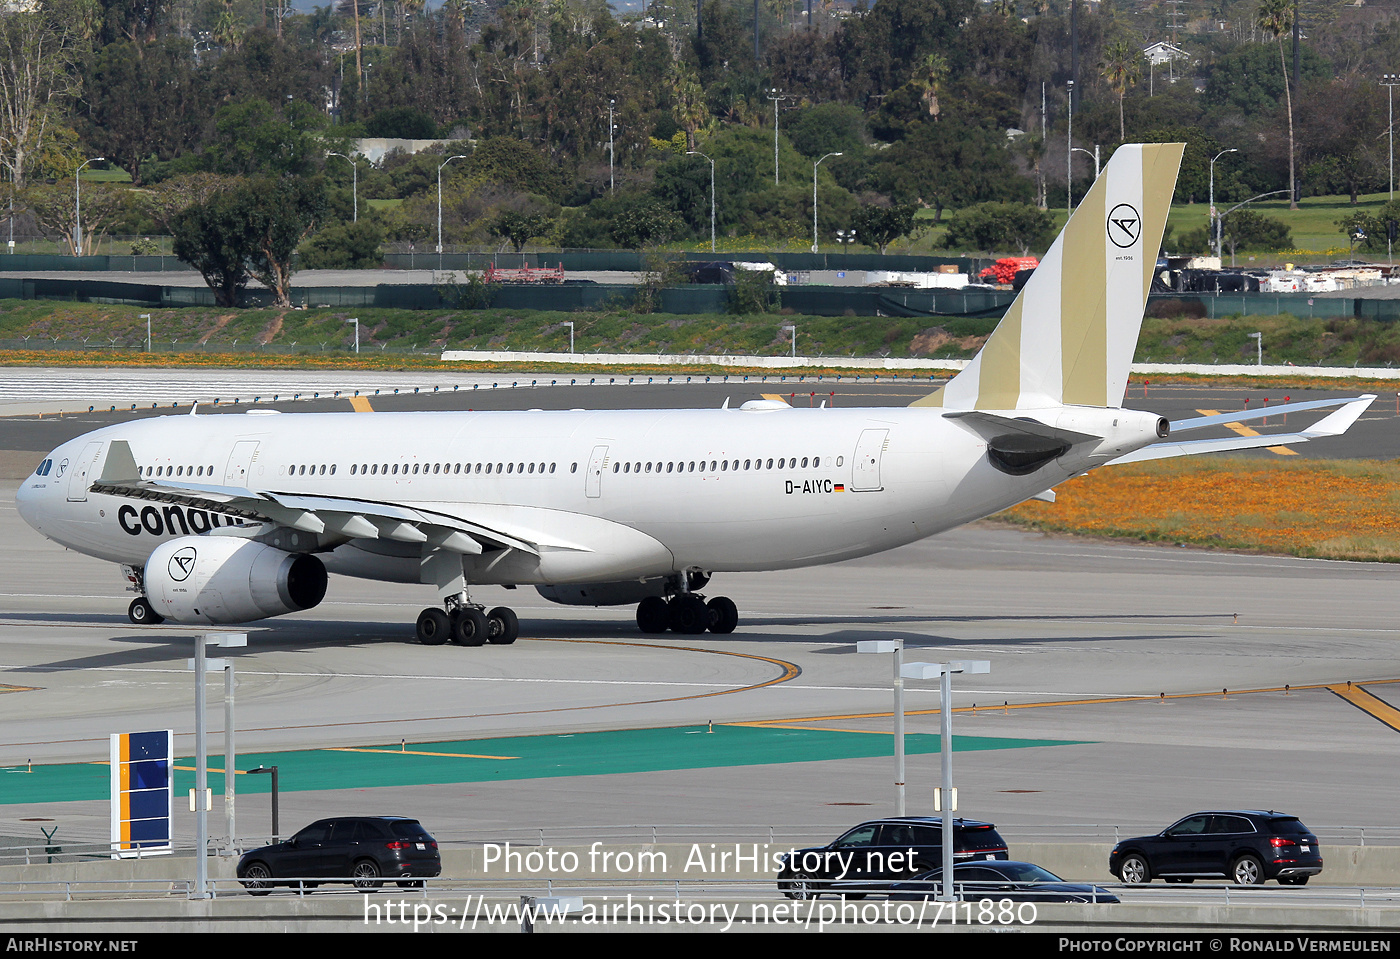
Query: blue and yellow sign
[142, 793]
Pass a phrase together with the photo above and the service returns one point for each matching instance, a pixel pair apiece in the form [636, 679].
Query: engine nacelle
[221, 579]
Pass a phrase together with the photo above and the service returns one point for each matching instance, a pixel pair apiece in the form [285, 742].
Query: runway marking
[1243, 430]
[1369, 703]
[793, 722]
[789, 671]
[411, 752]
[360, 404]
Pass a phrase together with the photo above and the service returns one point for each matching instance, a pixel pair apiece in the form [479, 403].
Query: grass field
[1344, 509]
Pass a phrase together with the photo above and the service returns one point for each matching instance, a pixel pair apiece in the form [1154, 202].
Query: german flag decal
[840, 487]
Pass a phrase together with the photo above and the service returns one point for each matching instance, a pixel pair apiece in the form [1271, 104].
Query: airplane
[232, 518]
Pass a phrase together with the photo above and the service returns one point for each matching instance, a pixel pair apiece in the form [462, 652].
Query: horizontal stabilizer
[1200, 422]
[1335, 424]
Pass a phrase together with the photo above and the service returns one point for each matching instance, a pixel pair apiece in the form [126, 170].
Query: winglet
[1069, 336]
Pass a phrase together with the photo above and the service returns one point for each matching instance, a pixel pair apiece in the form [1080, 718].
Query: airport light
[895, 646]
[147, 318]
[199, 795]
[354, 183]
[944, 672]
[78, 205]
[356, 321]
[814, 198]
[611, 128]
[570, 325]
[697, 153]
[1258, 338]
[439, 243]
[793, 330]
[1215, 220]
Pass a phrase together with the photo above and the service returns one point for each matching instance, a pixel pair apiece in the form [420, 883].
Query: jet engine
[218, 579]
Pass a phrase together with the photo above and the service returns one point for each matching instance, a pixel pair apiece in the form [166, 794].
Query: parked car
[363, 850]
[997, 880]
[884, 850]
[1247, 846]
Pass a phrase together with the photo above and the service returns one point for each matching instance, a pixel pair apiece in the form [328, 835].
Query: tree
[345, 246]
[140, 99]
[54, 208]
[1000, 226]
[879, 226]
[40, 47]
[1253, 231]
[250, 231]
[1276, 17]
[519, 228]
[1122, 68]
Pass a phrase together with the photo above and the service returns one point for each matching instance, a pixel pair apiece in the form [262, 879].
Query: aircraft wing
[352, 518]
[1334, 424]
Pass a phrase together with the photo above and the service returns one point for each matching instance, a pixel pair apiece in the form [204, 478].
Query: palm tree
[1122, 68]
[687, 101]
[930, 76]
[1276, 17]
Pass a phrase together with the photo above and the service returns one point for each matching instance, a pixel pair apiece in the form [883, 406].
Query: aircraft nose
[28, 499]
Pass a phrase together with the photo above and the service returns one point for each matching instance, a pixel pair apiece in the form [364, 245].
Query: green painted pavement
[531, 757]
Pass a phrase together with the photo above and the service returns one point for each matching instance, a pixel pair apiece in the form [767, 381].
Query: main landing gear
[687, 613]
[467, 624]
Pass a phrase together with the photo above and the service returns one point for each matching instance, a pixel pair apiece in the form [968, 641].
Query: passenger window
[615, 467]
[816, 461]
[804, 462]
[573, 467]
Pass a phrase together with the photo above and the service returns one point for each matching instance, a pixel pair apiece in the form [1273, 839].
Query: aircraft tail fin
[1069, 336]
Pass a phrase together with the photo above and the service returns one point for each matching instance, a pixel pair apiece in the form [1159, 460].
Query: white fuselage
[603, 496]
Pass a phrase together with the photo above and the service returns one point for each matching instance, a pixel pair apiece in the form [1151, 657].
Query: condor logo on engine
[182, 564]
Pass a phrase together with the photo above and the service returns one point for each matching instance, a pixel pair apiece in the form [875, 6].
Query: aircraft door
[240, 463]
[865, 465]
[593, 483]
[80, 479]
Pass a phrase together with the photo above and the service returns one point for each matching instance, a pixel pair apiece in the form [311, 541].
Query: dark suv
[1245, 845]
[884, 850]
[364, 850]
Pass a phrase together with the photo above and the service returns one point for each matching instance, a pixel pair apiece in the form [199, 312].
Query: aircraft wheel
[434, 628]
[469, 626]
[689, 614]
[653, 615]
[724, 615]
[142, 613]
[502, 626]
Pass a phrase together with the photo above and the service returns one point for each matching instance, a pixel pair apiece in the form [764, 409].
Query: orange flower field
[1335, 509]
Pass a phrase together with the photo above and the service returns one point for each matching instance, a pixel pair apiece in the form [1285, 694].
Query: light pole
[199, 796]
[1258, 338]
[1069, 153]
[793, 330]
[570, 325]
[712, 195]
[147, 318]
[814, 198]
[1095, 155]
[276, 834]
[945, 671]
[356, 321]
[78, 206]
[1215, 220]
[439, 243]
[1389, 81]
[895, 646]
[354, 182]
[845, 238]
[775, 95]
[611, 104]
